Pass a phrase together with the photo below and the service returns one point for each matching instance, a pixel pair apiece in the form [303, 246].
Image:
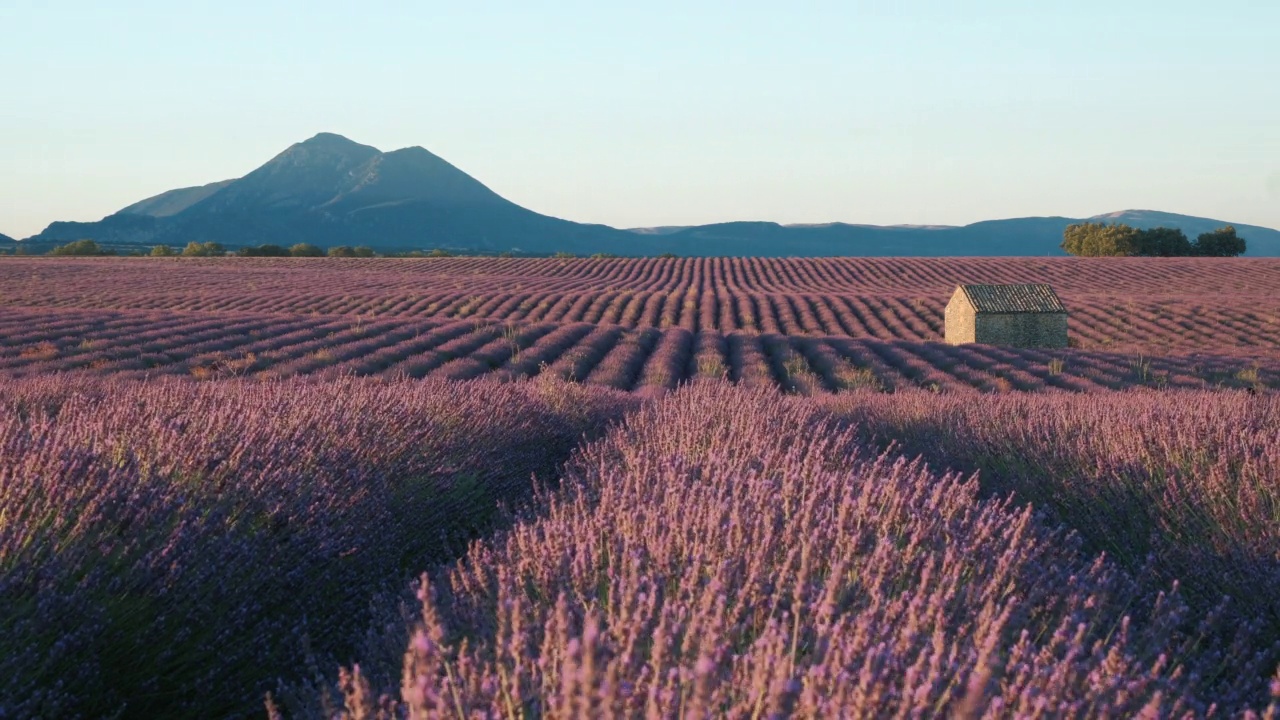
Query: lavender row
[735, 553]
[171, 548]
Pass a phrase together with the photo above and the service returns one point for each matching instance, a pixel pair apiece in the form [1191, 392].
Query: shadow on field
[176, 547]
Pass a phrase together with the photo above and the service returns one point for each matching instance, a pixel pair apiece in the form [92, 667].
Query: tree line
[1119, 240]
[89, 248]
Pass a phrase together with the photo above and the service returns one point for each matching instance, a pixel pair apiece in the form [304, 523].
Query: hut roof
[1013, 298]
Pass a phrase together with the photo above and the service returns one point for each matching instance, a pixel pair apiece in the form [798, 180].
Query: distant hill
[332, 191]
[174, 201]
[6, 240]
[1014, 236]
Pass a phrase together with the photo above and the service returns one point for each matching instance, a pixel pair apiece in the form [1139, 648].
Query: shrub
[341, 251]
[81, 248]
[363, 251]
[204, 249]
[162, 251]
[305, 250]
[263, 251]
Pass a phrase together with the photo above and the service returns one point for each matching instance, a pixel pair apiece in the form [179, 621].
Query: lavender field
[807, 326]
[244, 488]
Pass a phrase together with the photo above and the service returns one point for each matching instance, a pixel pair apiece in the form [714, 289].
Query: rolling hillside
[331, 191]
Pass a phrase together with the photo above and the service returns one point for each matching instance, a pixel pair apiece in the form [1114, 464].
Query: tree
[1222, 242]
[564, 255]
[668, 255]
[439, 252]
[342, 251]
[204, 249]
[1163, 242]
[1100, 240]
[306, 250]
[364, 251]
[81, 248]
[162, 251]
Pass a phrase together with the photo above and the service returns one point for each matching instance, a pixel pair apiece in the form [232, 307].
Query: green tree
[439, 252]
[204, 249]
[1100, 240]
[1163, 242]
[364, 251]
[263, 251]
[1222, 242]
[668, 255]
[341, 251]
[305, 250]
[80, 248]
[162, 251]
[564, 255]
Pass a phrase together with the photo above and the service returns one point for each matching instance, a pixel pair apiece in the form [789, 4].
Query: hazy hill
[1014, 236]
[332, 191]
[174, 201]
[5, 239]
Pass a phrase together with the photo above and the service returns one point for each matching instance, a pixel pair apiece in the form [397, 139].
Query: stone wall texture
[1030, 329]
[961, 325]
[1046, 330]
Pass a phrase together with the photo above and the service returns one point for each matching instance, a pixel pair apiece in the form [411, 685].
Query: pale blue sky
[662, 112]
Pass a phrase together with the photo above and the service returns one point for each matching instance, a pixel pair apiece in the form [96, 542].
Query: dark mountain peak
[325, 150]
[305, 175]
[6, 239]
[414, 151]
[330, 140]
[413, 174]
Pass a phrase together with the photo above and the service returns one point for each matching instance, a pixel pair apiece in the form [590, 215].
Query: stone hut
[1015, 315]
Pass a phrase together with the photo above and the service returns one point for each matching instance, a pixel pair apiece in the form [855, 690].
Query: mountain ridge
[329, 190]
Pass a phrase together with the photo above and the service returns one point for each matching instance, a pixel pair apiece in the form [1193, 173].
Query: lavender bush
[731, 553]
[169, 548]
[1182, 484]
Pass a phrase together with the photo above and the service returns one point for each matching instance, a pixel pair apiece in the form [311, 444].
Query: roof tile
[1013, 298]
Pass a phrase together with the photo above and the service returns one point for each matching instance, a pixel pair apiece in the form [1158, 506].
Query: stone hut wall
[960, 321]
[1048, 330]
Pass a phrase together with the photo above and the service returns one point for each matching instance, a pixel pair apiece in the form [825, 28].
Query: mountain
[1014, 236]
[331, 191]
[6, 240]
[174, 201]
